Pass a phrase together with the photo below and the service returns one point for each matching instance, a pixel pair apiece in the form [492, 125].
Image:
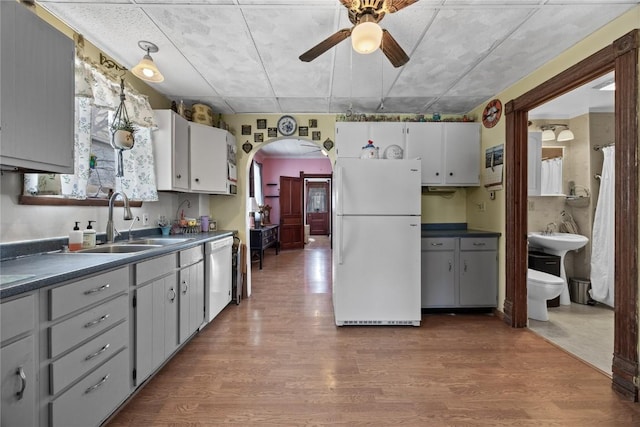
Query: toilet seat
[542, 278]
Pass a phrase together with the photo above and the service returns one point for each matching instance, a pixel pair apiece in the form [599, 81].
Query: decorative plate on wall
[492, 113]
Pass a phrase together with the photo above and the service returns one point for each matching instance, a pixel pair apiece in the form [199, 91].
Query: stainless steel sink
[157, 241]
[117, 249]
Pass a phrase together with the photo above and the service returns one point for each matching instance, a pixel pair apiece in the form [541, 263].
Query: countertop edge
[459, 233]
[101, 263]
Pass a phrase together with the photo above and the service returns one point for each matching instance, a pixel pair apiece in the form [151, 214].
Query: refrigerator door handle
[339, 189]
[340, 233]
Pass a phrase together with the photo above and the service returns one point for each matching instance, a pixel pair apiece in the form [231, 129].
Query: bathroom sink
[557, 241]
[158, 241]
[116, 249]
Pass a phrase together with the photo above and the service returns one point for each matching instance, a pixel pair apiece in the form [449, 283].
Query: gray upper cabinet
[37, 86]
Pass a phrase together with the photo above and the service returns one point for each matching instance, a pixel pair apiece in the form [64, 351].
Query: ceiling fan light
[366, 36]
[548, 135]
[565, 135]
[147, 70]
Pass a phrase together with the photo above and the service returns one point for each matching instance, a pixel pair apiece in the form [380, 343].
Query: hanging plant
[123, 134]
[122, 130]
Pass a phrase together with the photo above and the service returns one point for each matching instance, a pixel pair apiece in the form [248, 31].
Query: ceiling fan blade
[396, 5]
[325, 45]
[392, 50]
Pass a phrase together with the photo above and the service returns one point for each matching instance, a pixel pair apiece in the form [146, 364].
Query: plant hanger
[122, 130]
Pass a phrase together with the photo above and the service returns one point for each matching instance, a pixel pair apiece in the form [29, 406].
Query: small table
[263, 238]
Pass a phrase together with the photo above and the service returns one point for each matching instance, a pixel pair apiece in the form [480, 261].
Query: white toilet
[541, 287]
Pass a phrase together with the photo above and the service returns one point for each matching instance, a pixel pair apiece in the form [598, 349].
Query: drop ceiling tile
[304, 105]
[544, 36]
[250, 105]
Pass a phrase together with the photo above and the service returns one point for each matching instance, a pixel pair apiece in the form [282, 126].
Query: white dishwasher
[217, 283]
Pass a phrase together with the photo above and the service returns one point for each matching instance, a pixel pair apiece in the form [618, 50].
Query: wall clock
[492, 113]
[287, 125]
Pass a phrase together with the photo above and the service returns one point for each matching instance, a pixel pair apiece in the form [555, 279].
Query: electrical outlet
[482, 206]
[145, 219]
[532, 206]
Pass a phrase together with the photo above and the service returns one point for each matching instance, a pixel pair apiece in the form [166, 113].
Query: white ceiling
[241, 56]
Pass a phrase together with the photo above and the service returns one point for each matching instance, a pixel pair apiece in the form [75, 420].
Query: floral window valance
[98, 92]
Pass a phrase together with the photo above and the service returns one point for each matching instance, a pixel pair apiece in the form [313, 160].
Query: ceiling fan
[366, 34]
[315, 149]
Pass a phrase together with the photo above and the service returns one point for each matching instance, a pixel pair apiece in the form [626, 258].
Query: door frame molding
[622, 57]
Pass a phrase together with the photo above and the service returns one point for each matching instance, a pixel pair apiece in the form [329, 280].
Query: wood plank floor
[278, 359]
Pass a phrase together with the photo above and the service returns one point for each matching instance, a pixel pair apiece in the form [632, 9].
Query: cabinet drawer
[72, 331]
[17, 316]
[191, 256]
[93, 399]
[154, 268]
[438, 243]
[77, 295]
[67, 369]
[478, 244]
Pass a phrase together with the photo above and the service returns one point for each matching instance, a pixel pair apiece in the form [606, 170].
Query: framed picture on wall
[261, 123]
[315, 135]
[213, 225]
[272, 132]
[246, 129]
[313, 123]
[303, 131]
[258, 137]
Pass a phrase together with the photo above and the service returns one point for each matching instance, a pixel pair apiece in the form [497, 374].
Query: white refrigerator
[376, 242]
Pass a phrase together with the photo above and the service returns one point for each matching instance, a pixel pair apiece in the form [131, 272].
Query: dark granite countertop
[32, 272]
[459, 233]
[454, 230]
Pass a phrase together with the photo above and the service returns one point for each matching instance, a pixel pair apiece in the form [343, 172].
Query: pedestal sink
[558, 244]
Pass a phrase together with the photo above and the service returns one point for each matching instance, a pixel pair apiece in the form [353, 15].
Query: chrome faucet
[551, 228]
[111, 230]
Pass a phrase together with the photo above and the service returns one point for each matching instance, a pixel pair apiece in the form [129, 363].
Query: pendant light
[146, 68]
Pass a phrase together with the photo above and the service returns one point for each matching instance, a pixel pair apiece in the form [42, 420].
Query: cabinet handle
[437, 244]
[178, 176]
[98, 384]
[23, 382]
[173, 297]
[465, 266]
[185, 287]
[98, 289]
[197, 179]
[437, 173]
[97, 353]
[478, 244]
[95, 322]
[450, 173]
[449, 265]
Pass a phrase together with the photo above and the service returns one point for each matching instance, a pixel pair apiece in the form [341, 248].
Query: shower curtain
[602, 248]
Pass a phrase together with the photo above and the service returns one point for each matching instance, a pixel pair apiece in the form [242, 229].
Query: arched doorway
[622, 57]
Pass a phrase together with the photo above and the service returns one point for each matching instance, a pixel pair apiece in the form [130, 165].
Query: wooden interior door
[291, 213]
[318, 208]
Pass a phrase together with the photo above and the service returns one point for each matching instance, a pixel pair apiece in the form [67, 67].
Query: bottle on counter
[89, 237]
[75, 238]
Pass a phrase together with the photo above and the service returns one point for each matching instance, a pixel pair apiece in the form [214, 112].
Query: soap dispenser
[75, 238]
[89, 237]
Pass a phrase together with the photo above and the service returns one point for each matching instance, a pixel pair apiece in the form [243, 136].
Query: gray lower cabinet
[191, 299]
[459, 272]
[156, 314]
[438, 272]
[18, 361]
[85, 364]
[17, 367]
